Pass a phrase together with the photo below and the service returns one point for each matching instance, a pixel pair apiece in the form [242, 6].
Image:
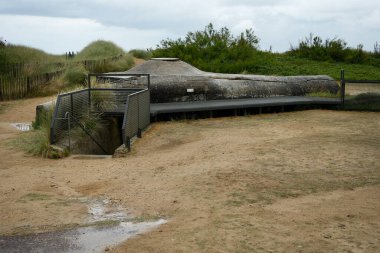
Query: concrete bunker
[171, 80]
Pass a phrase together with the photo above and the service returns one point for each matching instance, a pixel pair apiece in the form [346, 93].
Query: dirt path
[293, 182]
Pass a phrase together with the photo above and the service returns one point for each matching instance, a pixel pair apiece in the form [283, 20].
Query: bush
[314, 48]
[356, 55]
[334, 50]
[212, 50]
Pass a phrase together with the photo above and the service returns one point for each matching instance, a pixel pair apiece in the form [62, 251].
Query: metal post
[342, 87]
[128, 143]
[71, 104]
[67, 115]
[139, 135]
[89, 81]
[89, 93]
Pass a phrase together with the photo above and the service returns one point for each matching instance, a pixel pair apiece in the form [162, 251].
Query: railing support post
[128, 143]
[342, 87]
[67, 115]
[139, 135]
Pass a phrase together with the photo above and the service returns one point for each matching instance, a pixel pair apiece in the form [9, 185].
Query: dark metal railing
[137, 116]
[133, 103]
[345, 85]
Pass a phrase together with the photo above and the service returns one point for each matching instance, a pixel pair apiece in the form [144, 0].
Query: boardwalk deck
[226, 104]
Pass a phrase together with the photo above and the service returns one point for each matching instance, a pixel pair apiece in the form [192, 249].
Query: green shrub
[213, 50]
[335, 50]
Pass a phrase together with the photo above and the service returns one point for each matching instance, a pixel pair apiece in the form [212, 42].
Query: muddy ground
[306, 181]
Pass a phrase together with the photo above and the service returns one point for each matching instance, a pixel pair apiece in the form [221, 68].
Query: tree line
[218, 50]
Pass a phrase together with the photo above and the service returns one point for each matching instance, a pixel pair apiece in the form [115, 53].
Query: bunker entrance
[103, 137]
[98, 120]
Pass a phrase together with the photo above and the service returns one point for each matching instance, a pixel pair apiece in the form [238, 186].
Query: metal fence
[356, 87]
[137, 115]
[96, 101]
[350, 88]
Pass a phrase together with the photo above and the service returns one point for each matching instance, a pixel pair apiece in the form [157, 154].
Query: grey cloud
[277, 22]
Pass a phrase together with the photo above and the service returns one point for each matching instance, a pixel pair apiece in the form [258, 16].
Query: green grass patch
[35, 197]
[323, 95]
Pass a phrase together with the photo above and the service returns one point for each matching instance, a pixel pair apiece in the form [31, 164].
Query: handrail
[362, 81]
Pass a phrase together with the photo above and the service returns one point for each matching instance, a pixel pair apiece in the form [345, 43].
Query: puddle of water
[23, 126]
[85, 239]
[102, 210]
[89, 239]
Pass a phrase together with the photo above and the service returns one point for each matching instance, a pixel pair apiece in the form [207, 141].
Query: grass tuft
[323, 95]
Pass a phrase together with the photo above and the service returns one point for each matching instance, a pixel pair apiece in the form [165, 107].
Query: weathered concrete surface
[171, 79]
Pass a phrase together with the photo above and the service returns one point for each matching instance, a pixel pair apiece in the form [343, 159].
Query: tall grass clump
[99, 49]
[75, 74]
[24, 54]
[123, 63]
[37, 141]
[141, 53]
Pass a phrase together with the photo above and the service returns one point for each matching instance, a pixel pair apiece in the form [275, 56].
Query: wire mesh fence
[354, 88]
[77, 104]
[137, 115]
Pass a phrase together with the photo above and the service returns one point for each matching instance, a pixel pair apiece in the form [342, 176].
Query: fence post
[67, 115]
[71, 104]
[342, 87]
[28, 88]
[138, 116]
[89, 93]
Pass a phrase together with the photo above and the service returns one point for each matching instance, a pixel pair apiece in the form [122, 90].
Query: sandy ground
[304, 181]
[358, 88]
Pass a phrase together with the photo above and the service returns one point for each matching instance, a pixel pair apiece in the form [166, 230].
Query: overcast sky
[57, 26]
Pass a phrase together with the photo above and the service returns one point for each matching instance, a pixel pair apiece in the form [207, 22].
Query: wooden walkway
[226, 104]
